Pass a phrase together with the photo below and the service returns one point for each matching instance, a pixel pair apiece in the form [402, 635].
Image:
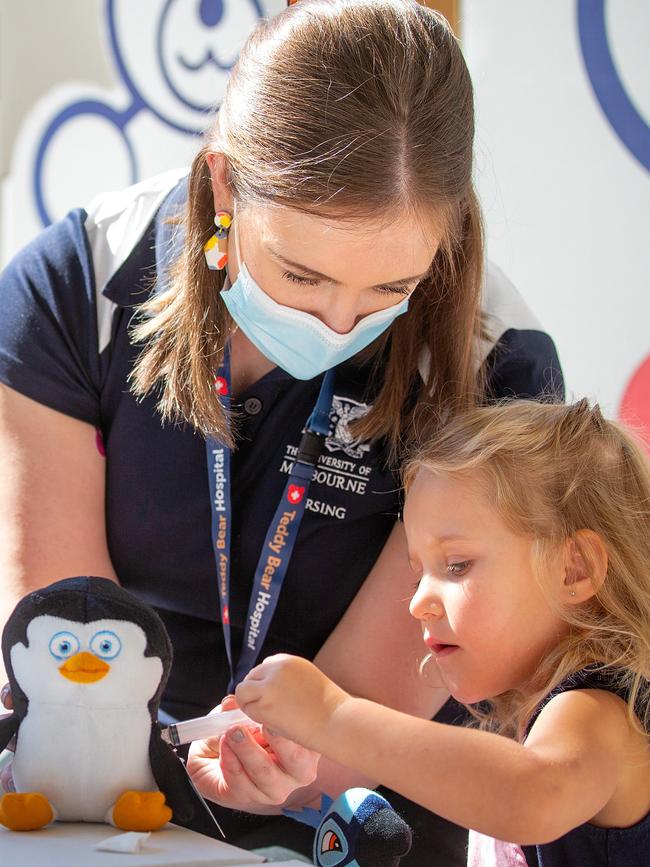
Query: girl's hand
[291, 696]
[250, 769]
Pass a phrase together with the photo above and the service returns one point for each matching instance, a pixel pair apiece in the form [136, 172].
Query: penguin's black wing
[8, 728]
[188, 807]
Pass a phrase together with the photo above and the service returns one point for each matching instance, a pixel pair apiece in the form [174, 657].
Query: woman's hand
[291, 696]
[6, 776]
[5, 697]
[250, 769]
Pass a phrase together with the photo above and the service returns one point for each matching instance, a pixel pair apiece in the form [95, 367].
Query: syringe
[210, 726]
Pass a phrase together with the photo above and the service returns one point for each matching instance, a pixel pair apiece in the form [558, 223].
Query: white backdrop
[566, 199]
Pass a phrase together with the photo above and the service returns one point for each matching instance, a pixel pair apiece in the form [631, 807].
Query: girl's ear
[585, 566]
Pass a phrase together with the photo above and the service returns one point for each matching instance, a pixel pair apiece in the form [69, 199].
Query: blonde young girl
[528, 528]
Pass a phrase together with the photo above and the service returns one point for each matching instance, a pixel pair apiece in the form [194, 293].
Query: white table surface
[70, 844]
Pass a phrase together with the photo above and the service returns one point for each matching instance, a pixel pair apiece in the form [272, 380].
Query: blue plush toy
[358, 829]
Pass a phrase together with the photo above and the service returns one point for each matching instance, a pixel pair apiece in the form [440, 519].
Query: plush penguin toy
[358, 829]
[87, 663]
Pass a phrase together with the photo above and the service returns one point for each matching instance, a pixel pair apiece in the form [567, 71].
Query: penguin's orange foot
[25, 811]
[141, 811]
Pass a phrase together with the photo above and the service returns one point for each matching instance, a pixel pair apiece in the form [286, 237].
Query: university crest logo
[345, 410]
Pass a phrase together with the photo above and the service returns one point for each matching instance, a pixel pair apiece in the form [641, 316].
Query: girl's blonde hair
[346, 109]
[554, 470]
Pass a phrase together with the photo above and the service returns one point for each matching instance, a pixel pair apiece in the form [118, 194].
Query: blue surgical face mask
[296, 341]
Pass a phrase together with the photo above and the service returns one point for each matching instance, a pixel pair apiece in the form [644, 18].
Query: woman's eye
[310, 281]
[459, 568]
[294, 278]
[393, 290]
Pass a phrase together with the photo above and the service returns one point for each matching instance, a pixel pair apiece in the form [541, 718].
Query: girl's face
[339, 271]
[484, 616]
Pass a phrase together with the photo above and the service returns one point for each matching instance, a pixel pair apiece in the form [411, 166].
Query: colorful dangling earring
[216, 248]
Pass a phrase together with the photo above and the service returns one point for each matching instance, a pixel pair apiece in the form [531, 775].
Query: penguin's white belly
[83, 759]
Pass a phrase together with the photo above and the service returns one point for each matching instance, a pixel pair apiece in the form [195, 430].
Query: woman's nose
[340, 308]
[425, 603]
[341, 318]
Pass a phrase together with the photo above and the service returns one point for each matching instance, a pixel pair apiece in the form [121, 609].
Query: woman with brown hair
[319, 269]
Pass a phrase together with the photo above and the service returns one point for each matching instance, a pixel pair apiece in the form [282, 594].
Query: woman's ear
[219, 175]
[585, 566]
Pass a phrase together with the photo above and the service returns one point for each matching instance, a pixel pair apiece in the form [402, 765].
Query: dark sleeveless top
[588, 845]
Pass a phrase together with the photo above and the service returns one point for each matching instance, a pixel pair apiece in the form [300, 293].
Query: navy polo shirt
[67, 303]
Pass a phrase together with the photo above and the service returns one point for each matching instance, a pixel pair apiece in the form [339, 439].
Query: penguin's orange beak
[84, 668]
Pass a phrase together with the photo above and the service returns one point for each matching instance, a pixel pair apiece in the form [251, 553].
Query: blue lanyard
[283, 529]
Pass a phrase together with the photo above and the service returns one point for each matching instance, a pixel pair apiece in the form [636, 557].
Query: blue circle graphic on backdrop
[210, 13]
[620, 111]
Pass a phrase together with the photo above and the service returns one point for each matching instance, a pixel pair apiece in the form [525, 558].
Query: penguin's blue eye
[63, 645]
[105, 644]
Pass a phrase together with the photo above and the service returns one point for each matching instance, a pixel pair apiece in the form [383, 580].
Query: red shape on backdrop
[635, 404]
